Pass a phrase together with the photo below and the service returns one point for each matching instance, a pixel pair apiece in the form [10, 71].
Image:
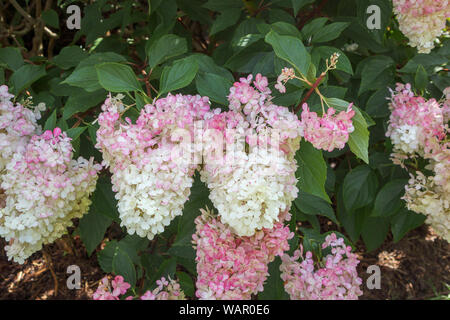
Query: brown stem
[49, 263]
[311, 90]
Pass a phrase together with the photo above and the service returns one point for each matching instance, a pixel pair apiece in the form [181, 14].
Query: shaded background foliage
[149, 48]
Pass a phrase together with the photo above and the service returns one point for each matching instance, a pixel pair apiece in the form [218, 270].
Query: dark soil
[417, 267]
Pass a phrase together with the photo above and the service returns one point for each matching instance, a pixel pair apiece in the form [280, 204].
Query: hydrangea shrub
[215, 138]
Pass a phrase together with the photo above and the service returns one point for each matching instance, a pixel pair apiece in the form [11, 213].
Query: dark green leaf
[25, 76]
[166, 47]
[388, 201]
[116, 77]
[312, 170]
[359, 188]
[290, 49]
[179, 75]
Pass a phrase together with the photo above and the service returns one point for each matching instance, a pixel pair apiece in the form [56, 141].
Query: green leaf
[312, 205]
[105, 198]
[352, 221]
[69, 57]
[226, 19]
[312, 27]
[50, 123]
[359, 188]
[116, 77]
[105, 257]
[290, 49]
[428, 61]
[75, 133]
[421, 78]
[82, 102]
[166, 47]
[213, 86]
[220, 5]
[207, 65]
[11, 58]
[358, 140]
[377, 105]
[98, 58]
[186, 226]
[25, 76]
[388, 201]
[312, 170]
[51, 18]
[186, 283]
[374, 232]
[329, 32]
[123, 265]
[404, 221]
[85, 78]
[286, 29]
[298, 4]
[166, 269]
[179, 75]
[372, 70]
[92, 228]
[117, 258]
[273, 287]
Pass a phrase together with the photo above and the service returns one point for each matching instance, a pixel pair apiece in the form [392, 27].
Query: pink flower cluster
[330, 131]
[151, 181]
[333, 278]
[252, 175]
[422, 21]
[43, 187]
[17, 125]
[286, 75]
[415, 124]
[231, 267]
[165, 290]
[418, 127]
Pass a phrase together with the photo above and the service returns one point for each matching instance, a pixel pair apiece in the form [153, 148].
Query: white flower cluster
[151, 185]
[253, 180]
[251, 193]
[17, 125]
[422, 21]
[417, 127]
[43, 188]
[405, 138]
[424, 195]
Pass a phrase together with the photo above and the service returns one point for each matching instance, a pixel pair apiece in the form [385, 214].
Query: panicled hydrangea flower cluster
[418, 127]
[231, 267]
[45, 189]
[330, 131]
[17, 125]
[415, 123]
[151, 181]
[333, 278]
[117, 288]
[42, 187]
[251, 176]
[422, 21]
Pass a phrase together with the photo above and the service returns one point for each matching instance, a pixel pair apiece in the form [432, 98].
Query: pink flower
[286, 75]
[120, 287]
[330, 131]
[335, 277]
[232, 267]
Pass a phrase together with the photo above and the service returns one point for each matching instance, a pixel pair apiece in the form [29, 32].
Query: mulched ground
[417, 267]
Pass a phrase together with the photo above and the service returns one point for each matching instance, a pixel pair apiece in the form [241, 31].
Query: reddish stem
[308, 94]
